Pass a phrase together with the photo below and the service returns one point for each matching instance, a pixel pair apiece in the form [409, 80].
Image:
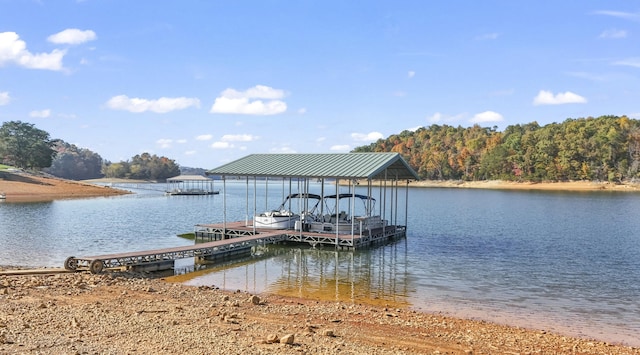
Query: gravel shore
[122, 313]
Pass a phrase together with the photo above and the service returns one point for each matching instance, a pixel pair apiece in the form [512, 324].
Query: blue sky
[207, 82]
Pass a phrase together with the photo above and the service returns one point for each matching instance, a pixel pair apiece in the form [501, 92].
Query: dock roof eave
[369, 166]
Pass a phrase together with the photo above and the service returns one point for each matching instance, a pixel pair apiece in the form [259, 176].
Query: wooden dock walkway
[224, 247]
[226, 240]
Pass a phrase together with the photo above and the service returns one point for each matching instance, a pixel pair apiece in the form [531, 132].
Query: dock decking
[345, 241]
[229, 239]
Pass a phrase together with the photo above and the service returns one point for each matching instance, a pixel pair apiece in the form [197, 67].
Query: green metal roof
[371, 166]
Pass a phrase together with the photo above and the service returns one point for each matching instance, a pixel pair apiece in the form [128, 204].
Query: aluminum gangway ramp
[98, 263]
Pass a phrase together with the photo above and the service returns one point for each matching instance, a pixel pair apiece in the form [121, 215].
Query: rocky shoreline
[123, 313]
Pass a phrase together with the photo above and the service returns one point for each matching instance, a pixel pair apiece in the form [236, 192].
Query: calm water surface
[568, 262]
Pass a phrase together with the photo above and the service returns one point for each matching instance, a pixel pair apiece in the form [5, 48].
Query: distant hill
[606, 148]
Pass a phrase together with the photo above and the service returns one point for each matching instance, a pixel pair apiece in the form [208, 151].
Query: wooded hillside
[606, 148]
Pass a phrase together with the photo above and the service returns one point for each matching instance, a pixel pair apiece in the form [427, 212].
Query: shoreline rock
[124, 313]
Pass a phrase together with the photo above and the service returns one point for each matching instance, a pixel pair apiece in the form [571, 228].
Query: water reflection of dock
[376, 275]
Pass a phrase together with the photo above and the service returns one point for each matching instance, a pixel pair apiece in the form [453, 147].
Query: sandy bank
[24, 187]
[118, 313]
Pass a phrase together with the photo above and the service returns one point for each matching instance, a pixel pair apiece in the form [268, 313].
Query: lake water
[567, 262]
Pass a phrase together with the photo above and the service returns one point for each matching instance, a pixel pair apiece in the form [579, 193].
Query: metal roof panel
[343, 166]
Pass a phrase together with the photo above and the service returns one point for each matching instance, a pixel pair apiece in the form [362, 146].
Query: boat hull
[275, 222]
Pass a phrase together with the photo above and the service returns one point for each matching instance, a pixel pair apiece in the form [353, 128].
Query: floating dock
[212, 232]
[225, 240]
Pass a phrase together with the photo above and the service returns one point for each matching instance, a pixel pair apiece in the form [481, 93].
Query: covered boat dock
[377, 182]
[190, 185]
[342, 179]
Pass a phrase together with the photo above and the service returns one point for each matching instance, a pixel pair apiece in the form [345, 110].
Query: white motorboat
[284, 217]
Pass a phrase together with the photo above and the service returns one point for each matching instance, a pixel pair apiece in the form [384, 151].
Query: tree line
[606, 148]
[26, 147]
[143, 167]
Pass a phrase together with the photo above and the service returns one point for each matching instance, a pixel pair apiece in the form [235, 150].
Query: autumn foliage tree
[606, 148]
[143, 167]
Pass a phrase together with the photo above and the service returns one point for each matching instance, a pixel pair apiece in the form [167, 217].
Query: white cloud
[321, 139]
[250, 102]
[190, 152]
[72, 36]
[439, 117]
[181, 141]
[161, 105]
[164, 142]
[436, 117]
[14, 50]
[633, 16]
[547, 98]
[487, 36]
[238, 138]
[4, 98]
[411, 74]
[204, 137]
[613, 33]
[367, 137]
[632, 62]
[302, 111]
[486, 116]
[40, 114]
[413, 129]
[261, 92]
[221, 145]
[340, 148]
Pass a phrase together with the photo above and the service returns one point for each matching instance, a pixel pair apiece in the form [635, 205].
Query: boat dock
[225, 240]
[341, 224]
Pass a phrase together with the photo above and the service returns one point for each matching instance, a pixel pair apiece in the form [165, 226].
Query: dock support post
[224, 205]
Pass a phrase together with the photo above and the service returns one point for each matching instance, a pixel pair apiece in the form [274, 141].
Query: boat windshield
[303, 198]
[344, 203]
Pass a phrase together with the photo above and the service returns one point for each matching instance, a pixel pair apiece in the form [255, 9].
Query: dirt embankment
[121, 313]
[25, 187]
